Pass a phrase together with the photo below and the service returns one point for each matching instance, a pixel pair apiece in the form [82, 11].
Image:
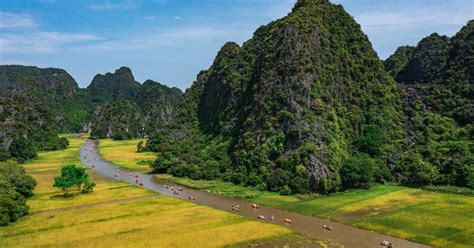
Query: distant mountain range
[49, 101]
[305, 105]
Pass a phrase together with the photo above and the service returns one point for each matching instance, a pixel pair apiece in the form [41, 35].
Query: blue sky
[170, 41]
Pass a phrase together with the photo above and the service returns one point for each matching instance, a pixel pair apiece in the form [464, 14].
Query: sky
[170, 41]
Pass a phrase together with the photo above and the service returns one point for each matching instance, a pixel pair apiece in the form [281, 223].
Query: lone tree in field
[73, 178]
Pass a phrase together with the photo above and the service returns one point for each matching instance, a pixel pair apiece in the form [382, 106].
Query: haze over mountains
[305, 105]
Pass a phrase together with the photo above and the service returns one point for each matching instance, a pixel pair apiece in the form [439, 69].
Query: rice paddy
[117, 214]
[437, 219]
[124, 153]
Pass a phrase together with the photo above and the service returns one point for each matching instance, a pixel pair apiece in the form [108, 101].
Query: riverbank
[437, 219]
[120, 214]
[433, 218]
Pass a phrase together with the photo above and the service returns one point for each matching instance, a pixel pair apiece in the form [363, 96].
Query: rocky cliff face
[437, 85]
[152, 102]
[121, 119]
[291, 101]
[33, 105]
[114, 86]
[438, 71]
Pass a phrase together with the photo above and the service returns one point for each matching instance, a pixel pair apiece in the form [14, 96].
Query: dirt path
[312, 226]
[57, 210]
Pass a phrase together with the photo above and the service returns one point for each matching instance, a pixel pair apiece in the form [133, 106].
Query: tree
[358, 172]
[73, 177]
[22, 149]
[12, 204]
[16, 175]
[371, 142]
[418, 172]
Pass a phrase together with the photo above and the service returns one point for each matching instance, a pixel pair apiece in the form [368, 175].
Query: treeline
[15, 187]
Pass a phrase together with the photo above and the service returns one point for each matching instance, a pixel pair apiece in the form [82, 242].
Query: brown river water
[311, 226]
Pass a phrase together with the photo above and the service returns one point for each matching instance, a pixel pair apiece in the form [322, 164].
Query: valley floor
[118, 214]
[437, 219]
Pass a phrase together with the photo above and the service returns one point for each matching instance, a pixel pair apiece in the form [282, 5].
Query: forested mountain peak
[16, 79]
[284, 110]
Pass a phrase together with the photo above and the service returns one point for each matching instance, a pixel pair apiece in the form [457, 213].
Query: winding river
[307, 225]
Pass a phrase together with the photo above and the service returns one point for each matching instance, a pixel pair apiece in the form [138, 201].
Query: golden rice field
[123, 153]
[437, 219]
[119, 215]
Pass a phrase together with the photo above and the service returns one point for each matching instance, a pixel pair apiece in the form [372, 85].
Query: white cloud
[172, 38]
[415, 16]
[150, 17]
[177, 18]
[41, 42]
[121, 5]
[9, 20]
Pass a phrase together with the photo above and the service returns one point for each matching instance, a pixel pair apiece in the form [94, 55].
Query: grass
[123, 153]
[437, 219]
[106, 218]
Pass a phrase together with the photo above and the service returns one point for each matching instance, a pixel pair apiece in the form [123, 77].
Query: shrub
[357, 172]
[22, 149]
[16, 175]
[12, 204]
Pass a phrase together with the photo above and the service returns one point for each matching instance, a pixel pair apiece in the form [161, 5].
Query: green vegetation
[36, 104]
[284, 119]
[119, 120]
[436, 82]
[433, 218]
[15, 186]
[72, 176]
[119, 213]
[123, 153]
[128, 109]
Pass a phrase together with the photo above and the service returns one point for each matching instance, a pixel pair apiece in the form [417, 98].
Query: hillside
[128, 109]
[34, 105]
[37, 103]
[437, 83]
[288, 108]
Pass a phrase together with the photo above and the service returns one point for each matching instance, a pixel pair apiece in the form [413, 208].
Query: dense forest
[36, 104]
[305, 105]
[436, 78]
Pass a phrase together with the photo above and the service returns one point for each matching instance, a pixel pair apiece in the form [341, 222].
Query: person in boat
[254, 205]
[271, 217]
[327, 227]
[171, 188]
[386, 243]
[260, 217]
[165, 186]
[235, 207]
[180, 189]
[191, 198]
[288, 220]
